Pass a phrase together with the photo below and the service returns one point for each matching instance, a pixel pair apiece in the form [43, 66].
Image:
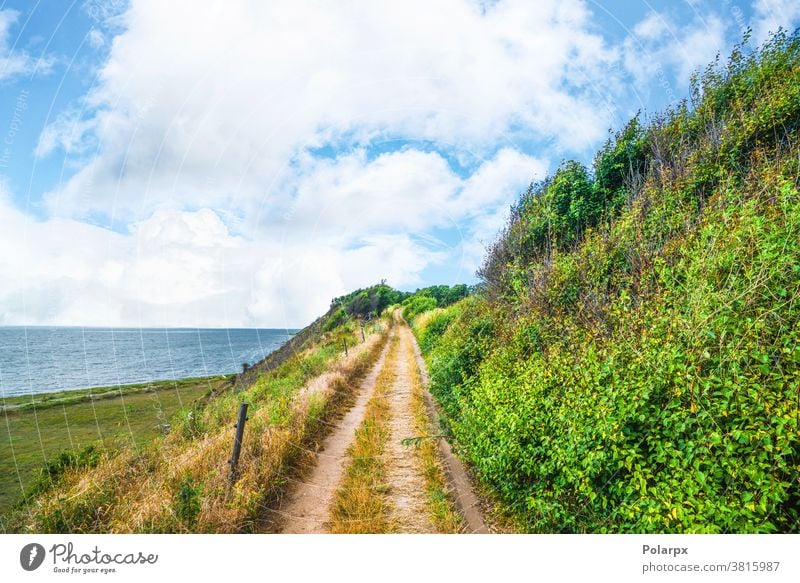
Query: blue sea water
[45, 359]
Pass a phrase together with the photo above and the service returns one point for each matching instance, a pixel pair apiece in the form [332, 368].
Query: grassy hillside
[178, 482]
[633, 362]
[38, 428]
[109, 468]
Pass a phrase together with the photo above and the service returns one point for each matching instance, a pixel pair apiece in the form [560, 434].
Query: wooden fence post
[344, 342]
[237, 441]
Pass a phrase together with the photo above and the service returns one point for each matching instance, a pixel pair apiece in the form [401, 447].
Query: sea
[40, 359]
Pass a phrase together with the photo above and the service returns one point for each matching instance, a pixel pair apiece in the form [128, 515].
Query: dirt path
[466, 500]
[306, 510]
[407, 489]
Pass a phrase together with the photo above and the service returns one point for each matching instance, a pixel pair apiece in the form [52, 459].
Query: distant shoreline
[66, 361]
[71, 396]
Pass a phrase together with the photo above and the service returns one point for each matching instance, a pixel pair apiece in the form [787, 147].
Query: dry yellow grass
[422, 320]
[360, 505]
[180, 484]
[439, 498]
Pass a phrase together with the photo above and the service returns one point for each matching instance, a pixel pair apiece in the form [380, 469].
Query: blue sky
[240, 163]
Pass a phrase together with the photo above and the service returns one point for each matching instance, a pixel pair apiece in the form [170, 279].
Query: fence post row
[237, 441]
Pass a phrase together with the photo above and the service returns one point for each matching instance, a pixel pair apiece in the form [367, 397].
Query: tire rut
[407, 488]
[306, 510]
[466, 500]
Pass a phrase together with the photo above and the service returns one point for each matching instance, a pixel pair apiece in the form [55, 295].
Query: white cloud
[769, 15]
[497, 182]
[407, 190]
[13, 61]
[659, 43]
[68, 132]
[654, 26]
[355, 221]
[229, 97]
[96, 38]
[179, 268]
[105, 12]
[344, 200]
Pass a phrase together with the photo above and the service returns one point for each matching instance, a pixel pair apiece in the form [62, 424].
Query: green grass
[35, 429]
[41, 400]
[439, 497]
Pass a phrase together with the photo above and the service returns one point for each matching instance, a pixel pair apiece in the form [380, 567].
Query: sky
[240, 163]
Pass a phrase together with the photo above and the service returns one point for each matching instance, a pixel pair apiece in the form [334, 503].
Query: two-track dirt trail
[307, 507]
[404, 474]
[306, 510]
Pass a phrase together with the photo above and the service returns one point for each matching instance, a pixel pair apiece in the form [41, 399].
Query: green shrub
[436, 328]
[634, 361]
[621, 165]
[187, 503]
[335, 320]
[367, 303]
[417, 305]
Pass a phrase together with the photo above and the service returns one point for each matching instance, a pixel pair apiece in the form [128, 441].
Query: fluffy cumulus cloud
[176, 268]
[258, 158]
[211, 110]
[181, 268]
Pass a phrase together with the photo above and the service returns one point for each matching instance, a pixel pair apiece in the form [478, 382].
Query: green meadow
[37, 428]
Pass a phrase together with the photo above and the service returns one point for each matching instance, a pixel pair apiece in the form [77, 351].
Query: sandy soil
[306, 510]
[466, 500]
[406, 482]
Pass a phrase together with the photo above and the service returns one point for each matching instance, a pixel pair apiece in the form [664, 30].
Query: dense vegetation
[633, 363]
[368, 303]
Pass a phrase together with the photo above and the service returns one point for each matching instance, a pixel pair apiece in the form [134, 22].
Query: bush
[335, 320]
[367, 303]
[187, 503]
[621, 165]
[633, 364]
[417, 305]
[435, 328]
